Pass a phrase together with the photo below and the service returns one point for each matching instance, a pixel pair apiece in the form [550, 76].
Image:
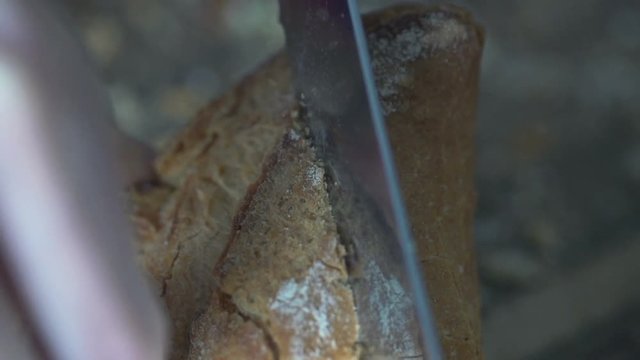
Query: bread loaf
[429, 92]
[239, 237]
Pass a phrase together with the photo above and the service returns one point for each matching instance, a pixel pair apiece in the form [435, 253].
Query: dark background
[558, 168]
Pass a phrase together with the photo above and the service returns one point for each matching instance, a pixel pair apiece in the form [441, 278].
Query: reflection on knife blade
[325, 40]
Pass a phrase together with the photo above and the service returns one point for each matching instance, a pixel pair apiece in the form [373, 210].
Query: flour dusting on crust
[307, 305]
[393, 50]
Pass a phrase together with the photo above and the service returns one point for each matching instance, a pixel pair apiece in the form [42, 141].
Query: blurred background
[558, 150]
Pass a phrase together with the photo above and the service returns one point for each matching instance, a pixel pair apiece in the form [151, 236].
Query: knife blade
[327, 46]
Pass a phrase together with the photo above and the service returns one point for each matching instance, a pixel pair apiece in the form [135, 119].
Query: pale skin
[63, 164]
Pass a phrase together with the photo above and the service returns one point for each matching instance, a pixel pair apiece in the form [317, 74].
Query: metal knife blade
[332, 71]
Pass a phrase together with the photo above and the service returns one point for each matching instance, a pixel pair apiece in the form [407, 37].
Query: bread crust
[219, 167]
[430, 119]
[283, 269]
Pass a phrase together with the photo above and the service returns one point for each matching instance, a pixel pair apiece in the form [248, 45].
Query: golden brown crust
[430, 116]
[284, 267]
[258, 101]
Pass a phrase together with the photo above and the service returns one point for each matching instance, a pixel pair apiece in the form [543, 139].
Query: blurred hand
[63, 162]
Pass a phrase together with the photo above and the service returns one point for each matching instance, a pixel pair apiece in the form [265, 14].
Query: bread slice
[238, 159]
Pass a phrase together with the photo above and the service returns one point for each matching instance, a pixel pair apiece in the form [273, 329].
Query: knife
[327, 46]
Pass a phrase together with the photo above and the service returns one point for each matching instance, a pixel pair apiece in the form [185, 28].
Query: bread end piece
[426, 62]
[284, 268]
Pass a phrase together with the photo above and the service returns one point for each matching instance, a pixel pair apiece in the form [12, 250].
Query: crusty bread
[233, 162]
[223, 333]
[283, 269]
[16, 339]
[209, 167]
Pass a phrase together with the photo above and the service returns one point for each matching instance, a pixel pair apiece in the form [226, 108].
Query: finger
[66, 239]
